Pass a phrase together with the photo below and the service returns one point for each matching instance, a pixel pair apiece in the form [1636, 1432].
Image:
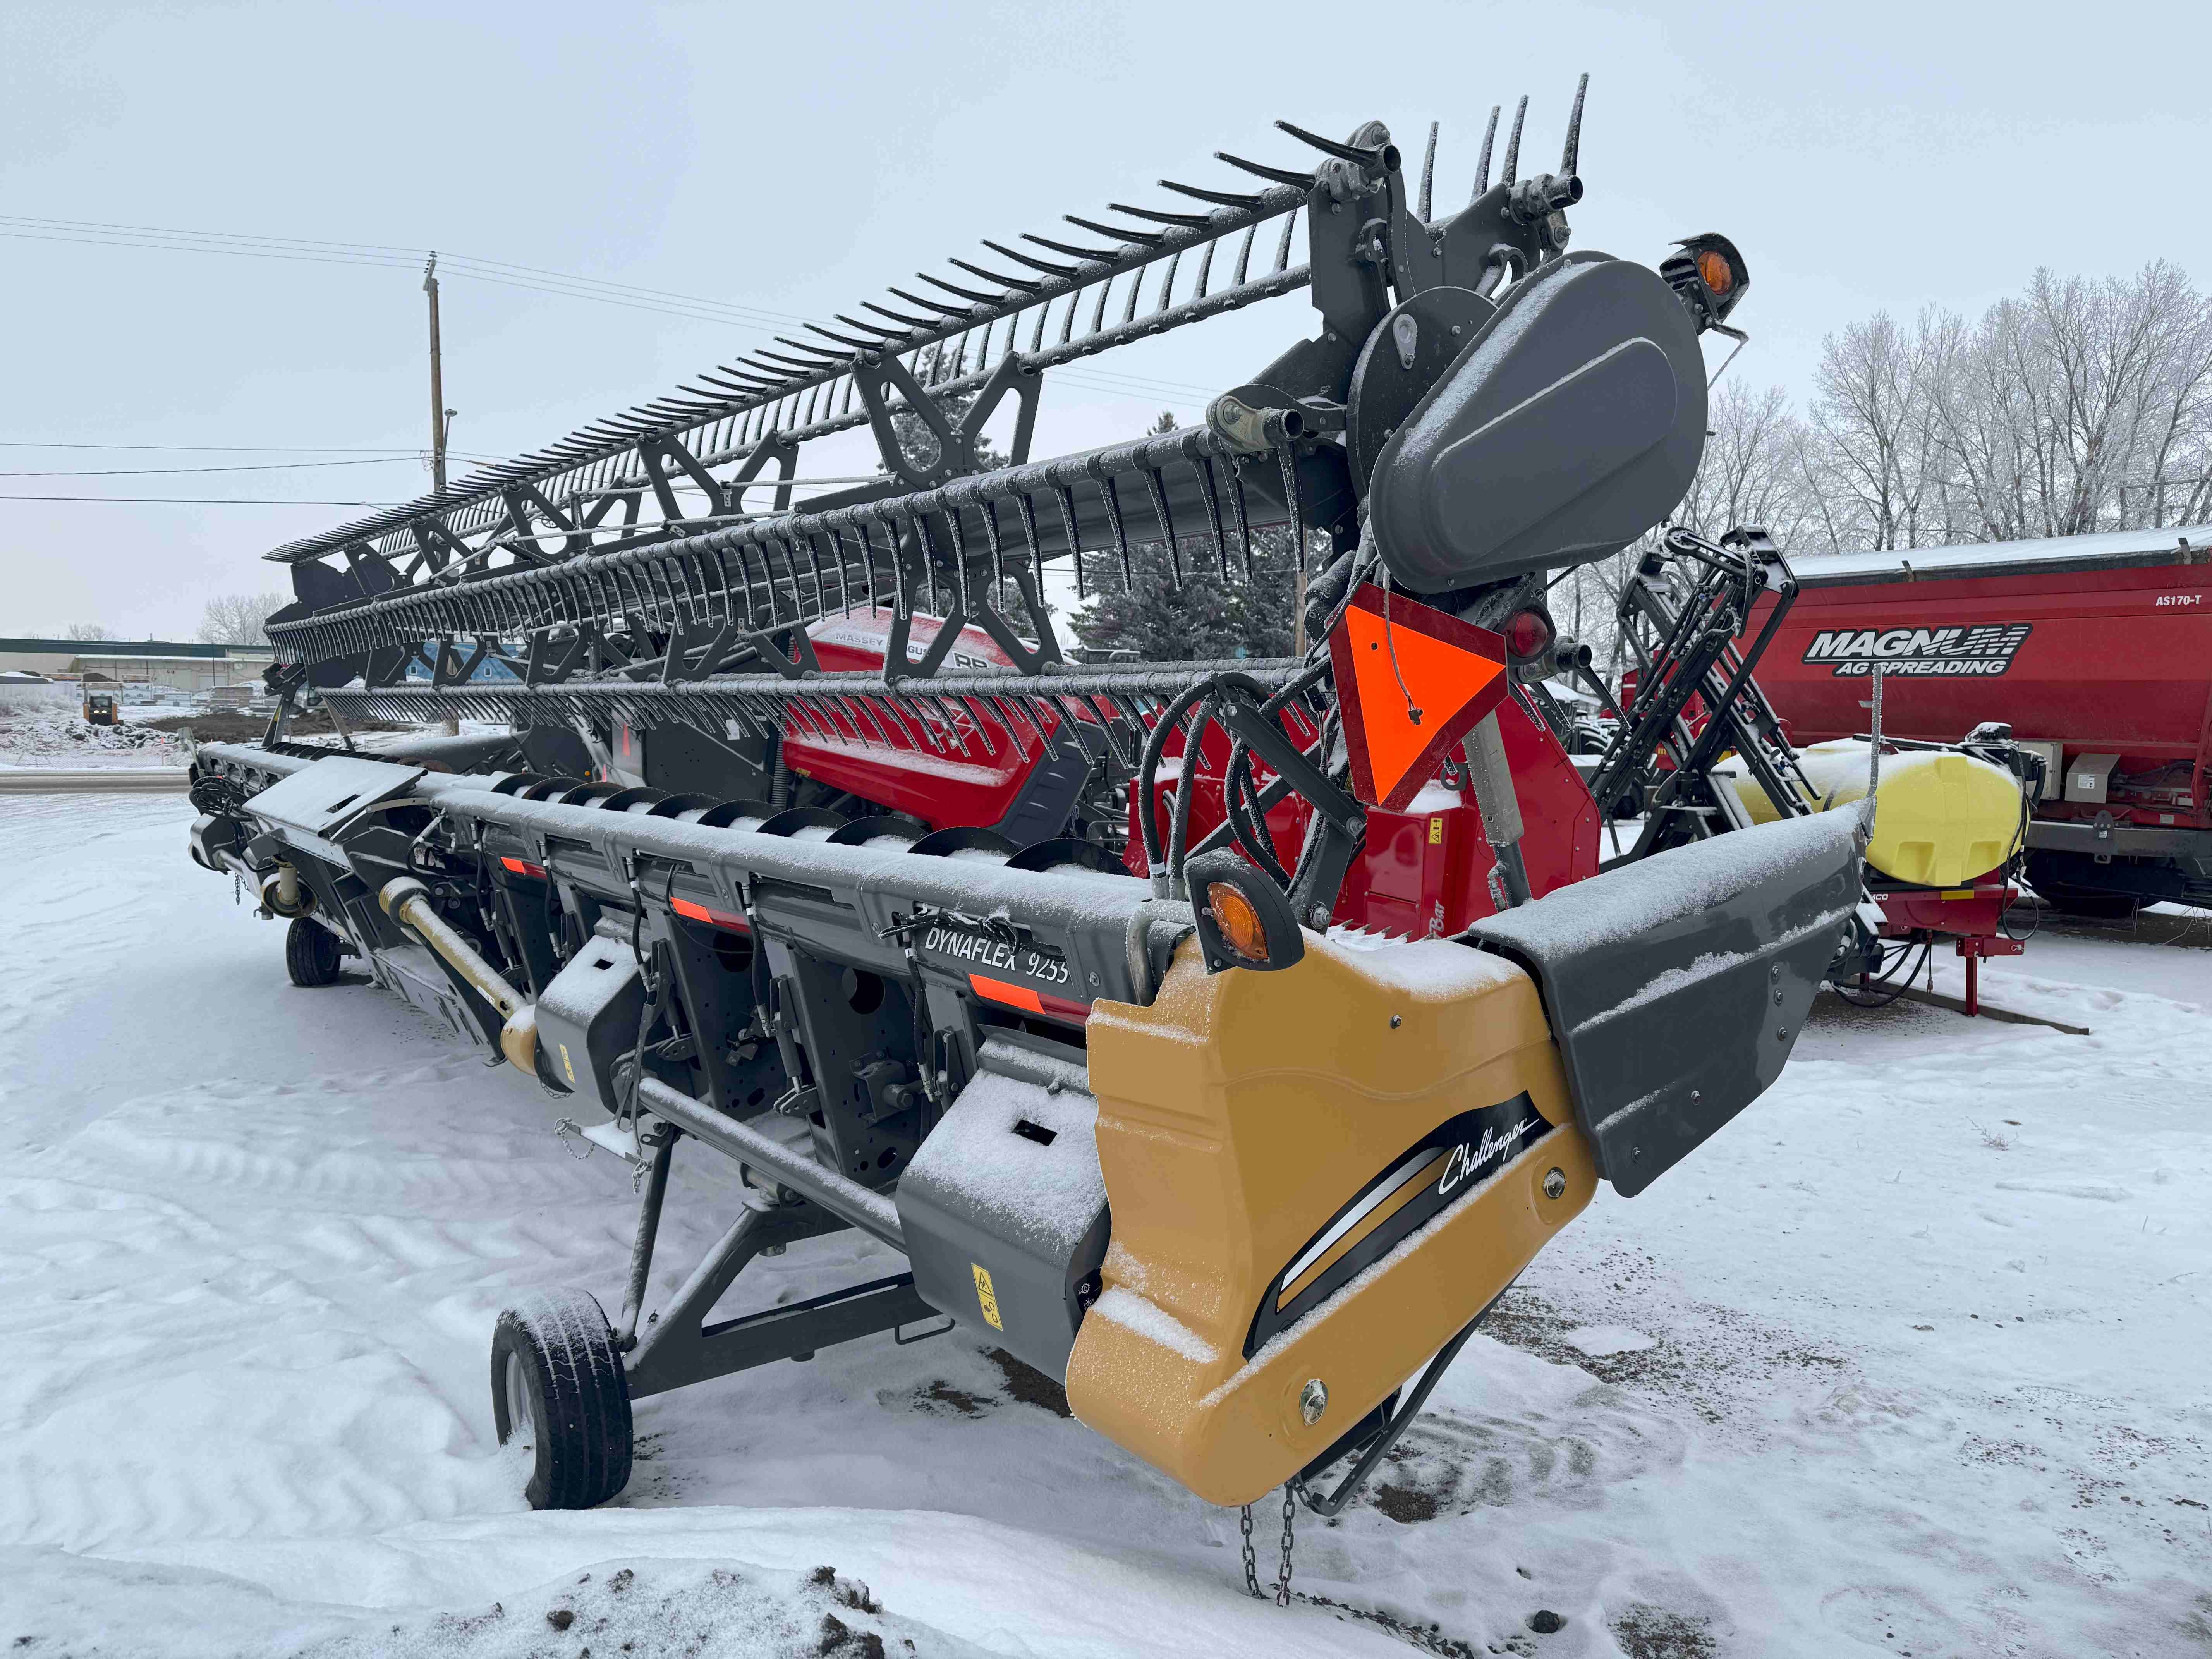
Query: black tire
[311, 953]
[557, 1378]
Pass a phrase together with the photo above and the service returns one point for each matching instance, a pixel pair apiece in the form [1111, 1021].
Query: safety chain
[1251, 1560]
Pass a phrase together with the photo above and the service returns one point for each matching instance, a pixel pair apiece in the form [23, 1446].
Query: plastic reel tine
[843, 706]
[1283, 248]
[1089, 255]
[1181, 221]
[1236, 506]
[1429, 169]
[1119, 232]
[1513, 144]
[1007, 283]
[1245, 254]
[1024, 708]
[1227, 199]
[1158, 490]
[1046, 267]
[1482, 164]
[900, 605]
[959, 556]
[1206, 268]
[1209, 491]
[1063, 498]
[1117, 528]
[1274, 175]
[979, 710]
[868, 564]
[814, 563]
[1571, 157]
[1026, 508]
[900, 707]
[990, 516]
[829, 708]
[866, 706]
[844, 574]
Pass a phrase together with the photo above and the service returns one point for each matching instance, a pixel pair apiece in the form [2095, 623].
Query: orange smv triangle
[1411, 684]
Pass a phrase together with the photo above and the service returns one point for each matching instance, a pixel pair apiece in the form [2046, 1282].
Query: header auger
[1219, 1038]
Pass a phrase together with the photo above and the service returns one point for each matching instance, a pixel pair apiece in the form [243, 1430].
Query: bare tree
[86, 630]
[2083, 406]
[240, 618]
[1753, 471]
[1873, 455]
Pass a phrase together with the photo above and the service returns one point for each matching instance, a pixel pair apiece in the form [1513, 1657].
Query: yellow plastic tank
[1942, 818]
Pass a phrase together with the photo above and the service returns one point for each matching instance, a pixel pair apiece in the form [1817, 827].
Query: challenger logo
[1975, 649]
[1471, 1160]
[1457, 1158]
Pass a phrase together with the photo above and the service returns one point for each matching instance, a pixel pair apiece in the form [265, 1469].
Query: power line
[496, 272]
[359, 252]
[198, 501]
[752, 318]
[236, 449]
[151, 472]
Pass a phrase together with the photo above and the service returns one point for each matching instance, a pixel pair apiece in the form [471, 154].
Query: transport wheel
[311, 953]
[557, 1386]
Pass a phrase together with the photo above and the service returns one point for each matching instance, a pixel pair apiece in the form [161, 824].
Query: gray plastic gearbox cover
[1572, 423]
[587, 1018]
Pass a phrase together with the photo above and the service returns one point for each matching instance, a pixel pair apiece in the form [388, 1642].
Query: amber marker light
[1713, 271]
[1242, 931]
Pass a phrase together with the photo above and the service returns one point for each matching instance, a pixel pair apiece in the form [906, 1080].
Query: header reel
[671, 544]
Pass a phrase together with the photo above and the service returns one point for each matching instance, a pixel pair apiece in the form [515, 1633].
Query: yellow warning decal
[1957, 893]
[1436, 832]
[568, 1065]
[985, 1297]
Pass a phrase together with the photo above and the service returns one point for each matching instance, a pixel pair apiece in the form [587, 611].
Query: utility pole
[437, 411]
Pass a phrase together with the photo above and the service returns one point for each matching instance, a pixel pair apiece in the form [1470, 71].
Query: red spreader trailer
[2096, 650]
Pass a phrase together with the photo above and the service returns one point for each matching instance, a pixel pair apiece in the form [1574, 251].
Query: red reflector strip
[1029, 1001]
[711, 918]
[524, 867]
[1014, 996]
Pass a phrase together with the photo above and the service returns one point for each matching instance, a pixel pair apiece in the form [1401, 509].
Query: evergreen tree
[1150, 617]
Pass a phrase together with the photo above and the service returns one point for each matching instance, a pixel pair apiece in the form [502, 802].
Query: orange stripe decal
[711, 918]
[1014, 996]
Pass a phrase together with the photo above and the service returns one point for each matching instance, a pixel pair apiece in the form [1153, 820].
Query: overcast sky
[796, 158]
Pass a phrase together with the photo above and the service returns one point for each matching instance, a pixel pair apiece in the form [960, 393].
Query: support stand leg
[678, 1347]
[648, 1230]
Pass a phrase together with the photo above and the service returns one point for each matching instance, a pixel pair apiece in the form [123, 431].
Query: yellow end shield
[1316, 1176]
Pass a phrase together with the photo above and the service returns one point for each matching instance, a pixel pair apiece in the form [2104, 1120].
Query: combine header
[1221, 1038]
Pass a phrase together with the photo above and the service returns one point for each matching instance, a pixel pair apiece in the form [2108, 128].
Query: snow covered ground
[1912, 1359]
[42, 728]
